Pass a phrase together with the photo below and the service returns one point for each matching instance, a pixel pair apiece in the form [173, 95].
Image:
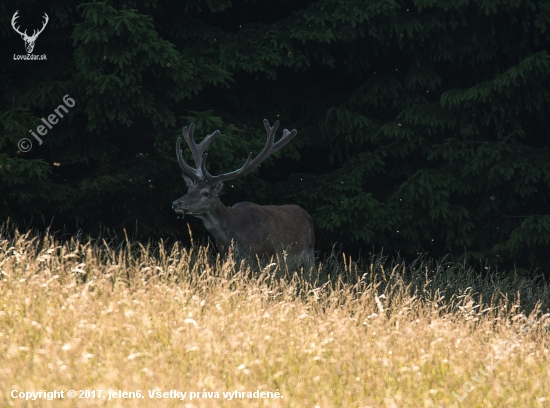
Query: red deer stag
[262, 230]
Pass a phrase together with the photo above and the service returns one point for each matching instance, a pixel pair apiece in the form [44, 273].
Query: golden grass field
[90, 316]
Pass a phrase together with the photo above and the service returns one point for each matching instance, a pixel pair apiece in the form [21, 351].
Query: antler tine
[43, 26]
[287, 136]
[194, 174]
[188, 136]
[198, 149]
[15, 17]
[270, 147]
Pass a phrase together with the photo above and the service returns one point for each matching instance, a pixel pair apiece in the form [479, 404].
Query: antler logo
[29, 40]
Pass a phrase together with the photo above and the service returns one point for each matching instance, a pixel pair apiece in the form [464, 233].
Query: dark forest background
[423, 126]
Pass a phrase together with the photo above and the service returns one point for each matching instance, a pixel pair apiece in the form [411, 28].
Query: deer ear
[188, 182]
[219, 187]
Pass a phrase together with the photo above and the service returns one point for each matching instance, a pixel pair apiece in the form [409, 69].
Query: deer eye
[205, 193]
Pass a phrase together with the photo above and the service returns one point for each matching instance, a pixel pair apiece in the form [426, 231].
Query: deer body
[254, 230]
[261, 230]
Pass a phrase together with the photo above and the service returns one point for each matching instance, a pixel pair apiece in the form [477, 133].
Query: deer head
[29, 40]
[204, 188]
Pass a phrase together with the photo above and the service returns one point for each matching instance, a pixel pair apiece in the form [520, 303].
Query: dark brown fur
[253, 229]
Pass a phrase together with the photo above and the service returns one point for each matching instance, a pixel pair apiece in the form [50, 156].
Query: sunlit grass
[87, 316]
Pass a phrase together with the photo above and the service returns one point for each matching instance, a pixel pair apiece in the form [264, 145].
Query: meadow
[159, 321]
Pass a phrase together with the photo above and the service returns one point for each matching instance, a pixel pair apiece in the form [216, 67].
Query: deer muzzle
[178, 208]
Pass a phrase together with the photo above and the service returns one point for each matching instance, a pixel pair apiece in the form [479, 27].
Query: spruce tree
[422, 125]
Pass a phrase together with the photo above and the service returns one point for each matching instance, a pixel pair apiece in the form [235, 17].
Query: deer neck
[220, 222]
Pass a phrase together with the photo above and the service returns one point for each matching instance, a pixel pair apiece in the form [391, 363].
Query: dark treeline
[422, 125]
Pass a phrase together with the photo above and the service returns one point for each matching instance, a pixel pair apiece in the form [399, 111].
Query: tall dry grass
[87, 316]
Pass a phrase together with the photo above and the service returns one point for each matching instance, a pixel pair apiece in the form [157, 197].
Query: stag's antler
[46, 19]
[270, 147]
[35, 34]
[200, 173]
[197, 150]
[15, 17]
